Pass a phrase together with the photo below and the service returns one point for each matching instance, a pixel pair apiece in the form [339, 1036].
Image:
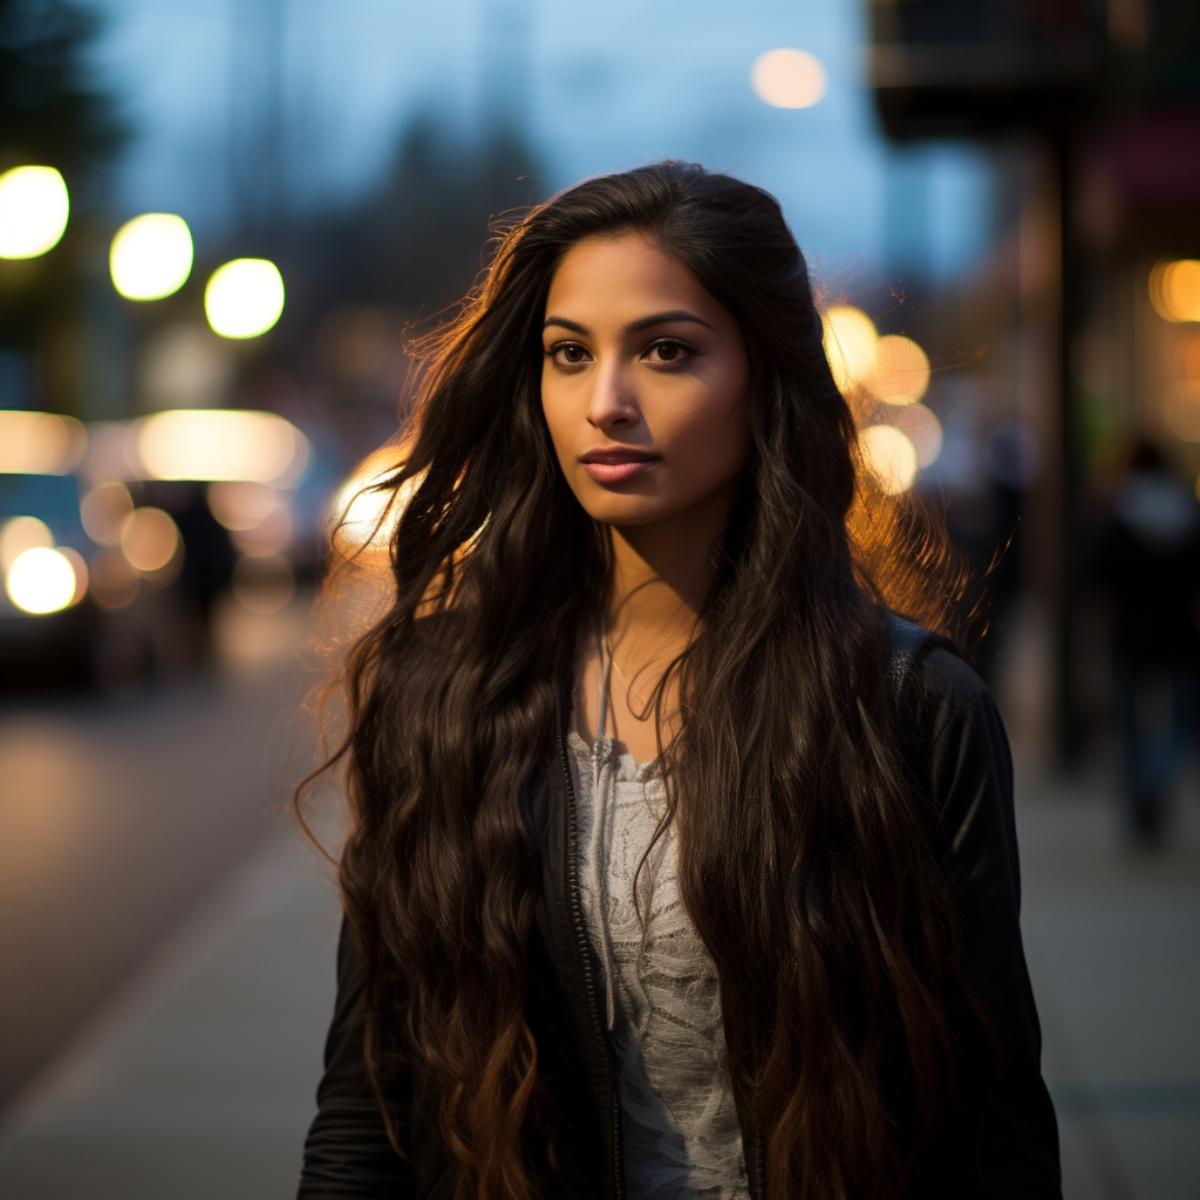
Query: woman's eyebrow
[675, 314]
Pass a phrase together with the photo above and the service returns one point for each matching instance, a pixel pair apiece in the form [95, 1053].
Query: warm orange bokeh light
[900, 374]
[1175, 289]
[849, 339]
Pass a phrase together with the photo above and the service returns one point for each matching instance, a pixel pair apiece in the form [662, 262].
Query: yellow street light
[34, 207]
[151, 256]
[42, 580]
[244, 298]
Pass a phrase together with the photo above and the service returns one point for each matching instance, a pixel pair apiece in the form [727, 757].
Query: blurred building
[1095, 106]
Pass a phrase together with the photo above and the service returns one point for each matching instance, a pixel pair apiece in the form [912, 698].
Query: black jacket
[1005, 1146]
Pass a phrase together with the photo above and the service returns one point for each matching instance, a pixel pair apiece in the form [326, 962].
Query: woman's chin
[630, 514]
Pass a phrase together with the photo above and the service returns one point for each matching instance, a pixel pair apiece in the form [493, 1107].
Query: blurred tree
[414, 242]
[53, 113]
[50, 111]
[401, 253]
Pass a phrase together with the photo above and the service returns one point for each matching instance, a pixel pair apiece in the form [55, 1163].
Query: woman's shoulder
[960, 751]
[932, 674]
[947, 675]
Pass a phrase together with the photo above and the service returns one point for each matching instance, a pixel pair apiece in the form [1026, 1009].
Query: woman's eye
[572, 353]
[670, 351]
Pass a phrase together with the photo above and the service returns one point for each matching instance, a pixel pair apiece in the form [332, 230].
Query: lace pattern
[679, 1122]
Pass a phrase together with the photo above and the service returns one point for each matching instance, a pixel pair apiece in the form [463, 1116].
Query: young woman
[680, 864]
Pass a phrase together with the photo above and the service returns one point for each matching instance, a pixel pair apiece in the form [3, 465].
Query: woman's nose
[613, 399]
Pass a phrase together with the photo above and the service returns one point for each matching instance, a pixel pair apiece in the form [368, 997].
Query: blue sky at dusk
[597, 87]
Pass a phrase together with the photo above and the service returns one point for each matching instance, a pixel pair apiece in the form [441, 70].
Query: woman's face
[643, 363]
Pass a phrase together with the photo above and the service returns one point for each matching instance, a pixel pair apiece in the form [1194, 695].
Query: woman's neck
[661, 575]
[651, 606]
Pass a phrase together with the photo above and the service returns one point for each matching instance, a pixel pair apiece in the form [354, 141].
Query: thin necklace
[613, 662]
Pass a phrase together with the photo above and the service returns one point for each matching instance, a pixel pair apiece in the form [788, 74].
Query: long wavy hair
[805, 852]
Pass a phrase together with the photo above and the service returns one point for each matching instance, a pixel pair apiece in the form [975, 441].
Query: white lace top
[680, 1129]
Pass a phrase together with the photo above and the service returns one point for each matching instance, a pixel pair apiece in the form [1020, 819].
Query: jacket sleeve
[346, 1152]
[1017, 1151]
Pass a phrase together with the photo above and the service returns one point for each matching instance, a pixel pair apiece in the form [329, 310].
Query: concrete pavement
[196, 1080]
[1112, 938]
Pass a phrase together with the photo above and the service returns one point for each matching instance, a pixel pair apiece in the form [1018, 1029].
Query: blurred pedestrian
[209, 557]
[681, 860]
[1145, 560]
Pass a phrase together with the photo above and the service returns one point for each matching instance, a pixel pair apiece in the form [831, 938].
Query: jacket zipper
[757, 1186]
[576, 908]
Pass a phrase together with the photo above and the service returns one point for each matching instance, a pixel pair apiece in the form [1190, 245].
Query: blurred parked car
[48, 625]
[120, 539]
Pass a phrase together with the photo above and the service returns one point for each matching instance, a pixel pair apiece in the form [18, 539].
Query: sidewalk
[198, 1081]
[1111, 938]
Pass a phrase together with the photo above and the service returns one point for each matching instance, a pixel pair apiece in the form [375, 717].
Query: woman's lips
[616, 472]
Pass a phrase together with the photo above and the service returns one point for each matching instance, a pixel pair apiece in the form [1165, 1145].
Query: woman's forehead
[623, 277]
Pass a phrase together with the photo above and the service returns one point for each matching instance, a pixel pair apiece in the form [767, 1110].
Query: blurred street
[121, 812]
[195, 1078]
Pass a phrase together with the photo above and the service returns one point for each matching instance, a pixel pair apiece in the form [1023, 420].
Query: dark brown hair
[805, 852]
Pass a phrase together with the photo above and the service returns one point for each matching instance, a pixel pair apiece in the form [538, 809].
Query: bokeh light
[242, 506]
[103, 510]
[923, 429]
[268, 537]
[34, 207]
[1175, 289]
[900, 373]
[850, 337]
[182, 365]
[244, 298]
[149, 539]
[221, 444]
[788, 78]
[151, 256]
[1189, 355]
[19, 534]
[114, 582]
[40, 443]
[891, 455]
[80, 567]
[364, 517]
[41, 580]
